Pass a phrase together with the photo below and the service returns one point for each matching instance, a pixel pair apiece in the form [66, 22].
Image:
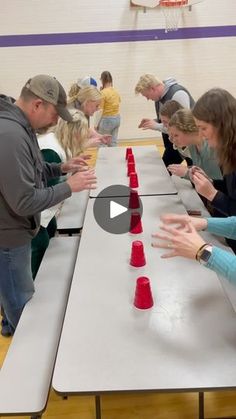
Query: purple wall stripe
[115, 36]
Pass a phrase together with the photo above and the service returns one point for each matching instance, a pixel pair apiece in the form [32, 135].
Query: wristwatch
[205, 254]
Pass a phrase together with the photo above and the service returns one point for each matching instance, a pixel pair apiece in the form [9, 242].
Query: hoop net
[172, 11]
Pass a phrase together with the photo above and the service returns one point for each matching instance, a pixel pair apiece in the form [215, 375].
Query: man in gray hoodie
[23, 174]
[159, 91]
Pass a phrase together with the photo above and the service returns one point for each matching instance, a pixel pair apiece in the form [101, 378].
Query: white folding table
[111, 169]
[186, 342]
[72, 214]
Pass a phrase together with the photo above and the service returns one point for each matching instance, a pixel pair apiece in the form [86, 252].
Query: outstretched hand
[180, 221]
[75, 164]
[148, 124]
[183, 242]
[82, 180]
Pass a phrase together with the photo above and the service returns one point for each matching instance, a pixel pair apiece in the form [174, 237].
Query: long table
[73, 211]
[111, 169]
[186, 342]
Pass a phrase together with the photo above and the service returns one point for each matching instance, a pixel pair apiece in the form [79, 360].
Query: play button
[113, 208]
[116, 209]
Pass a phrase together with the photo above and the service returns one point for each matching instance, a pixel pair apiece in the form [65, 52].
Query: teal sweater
[206, 159]
[221, 261]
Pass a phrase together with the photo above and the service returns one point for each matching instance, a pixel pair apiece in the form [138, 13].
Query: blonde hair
[85, 94]
[74, 90]
[72, 136]
[184, 121]
[145, 82]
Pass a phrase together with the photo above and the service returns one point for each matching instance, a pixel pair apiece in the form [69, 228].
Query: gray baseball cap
[49, 89]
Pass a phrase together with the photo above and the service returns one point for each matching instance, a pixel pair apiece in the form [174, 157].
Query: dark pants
[40, 243]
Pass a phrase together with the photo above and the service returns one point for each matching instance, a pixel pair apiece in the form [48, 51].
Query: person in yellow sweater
[110, 109]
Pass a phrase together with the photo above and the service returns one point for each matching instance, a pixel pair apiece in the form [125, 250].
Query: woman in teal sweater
[183, 240]
[184, 132]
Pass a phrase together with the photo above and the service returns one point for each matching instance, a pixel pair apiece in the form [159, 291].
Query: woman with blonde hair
[66, 140]
[82, 82]
[88, 100]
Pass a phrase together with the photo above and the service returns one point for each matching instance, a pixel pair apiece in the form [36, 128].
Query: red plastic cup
[133, 180]
[131, 168]
[135, 223]
[137, 254]
[131, 158]
[128, 152]
[143, 294]
[134, 200]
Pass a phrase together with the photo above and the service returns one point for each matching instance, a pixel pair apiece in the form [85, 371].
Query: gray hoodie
[23, 175]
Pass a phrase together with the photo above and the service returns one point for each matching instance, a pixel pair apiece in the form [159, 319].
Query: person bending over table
[215, 116]
[185, 133]
[152, 88]
[61, 143]
[88, 100]
[182, 239]
[169, 108]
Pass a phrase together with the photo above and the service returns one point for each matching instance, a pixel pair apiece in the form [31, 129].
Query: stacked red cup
[128, 152]
[135, 223]
[130, 158]
[133, 180]
[133, 200]
[130, 168]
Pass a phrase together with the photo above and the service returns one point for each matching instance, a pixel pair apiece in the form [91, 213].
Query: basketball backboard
[145, 3]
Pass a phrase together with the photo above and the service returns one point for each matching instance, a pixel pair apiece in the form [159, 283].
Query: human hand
[75, 164]
[185, 242]
[148, 124]
[177, 169]
[82, 180]
[203, 185]
[196, 169]
[106, 139]
[180, 220]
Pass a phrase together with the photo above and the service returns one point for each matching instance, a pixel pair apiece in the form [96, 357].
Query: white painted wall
[198, 64]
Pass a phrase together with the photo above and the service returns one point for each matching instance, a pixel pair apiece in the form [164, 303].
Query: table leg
[201, 404]
[98, 407]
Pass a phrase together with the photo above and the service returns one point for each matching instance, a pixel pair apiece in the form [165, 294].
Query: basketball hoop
[172, 11]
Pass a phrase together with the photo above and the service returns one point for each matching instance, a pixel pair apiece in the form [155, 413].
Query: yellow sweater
[110, 102]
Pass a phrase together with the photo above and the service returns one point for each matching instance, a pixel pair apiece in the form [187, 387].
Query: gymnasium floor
[136, 406]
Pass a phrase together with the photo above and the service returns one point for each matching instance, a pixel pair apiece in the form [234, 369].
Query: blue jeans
[16, 283]
[110, 125]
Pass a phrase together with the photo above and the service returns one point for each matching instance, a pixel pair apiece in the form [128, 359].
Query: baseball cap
[49, 89]
[86, 81]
